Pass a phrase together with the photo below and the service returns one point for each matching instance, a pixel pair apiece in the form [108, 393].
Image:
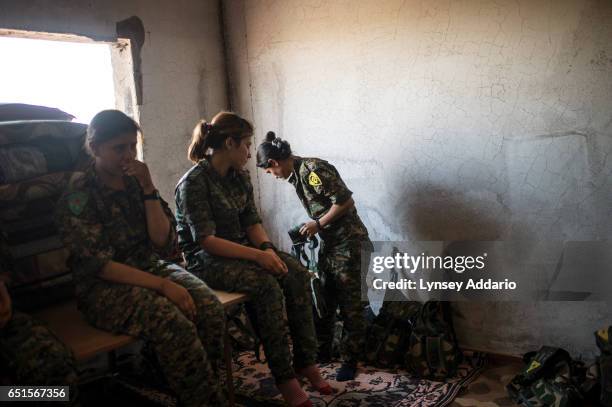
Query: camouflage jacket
[5, 260]
[209, 204]
[4, 266]
[319, 186]
[99, 224]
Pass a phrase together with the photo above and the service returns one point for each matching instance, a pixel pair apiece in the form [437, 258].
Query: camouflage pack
[388, 333]
[433, 351]
[548, 380]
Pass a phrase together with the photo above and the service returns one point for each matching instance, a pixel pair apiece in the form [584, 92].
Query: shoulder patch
[314, 180]
[77, 202]
[603, 334]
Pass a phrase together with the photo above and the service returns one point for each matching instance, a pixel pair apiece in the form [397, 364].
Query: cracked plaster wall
[450, 120]
[183, 70]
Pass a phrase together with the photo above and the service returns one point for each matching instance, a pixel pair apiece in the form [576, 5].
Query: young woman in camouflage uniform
[224, 243]
[329, 203]
[118, 229]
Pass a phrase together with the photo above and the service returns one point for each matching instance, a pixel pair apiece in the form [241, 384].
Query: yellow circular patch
[603, 334]
[314, 180]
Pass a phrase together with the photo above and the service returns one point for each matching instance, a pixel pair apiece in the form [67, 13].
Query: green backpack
[388, 332]
[548, 380]
[433, 351]
[604, 344]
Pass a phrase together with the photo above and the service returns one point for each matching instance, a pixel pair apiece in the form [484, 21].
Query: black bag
[387, 336]
[548, 379]
[433, 351]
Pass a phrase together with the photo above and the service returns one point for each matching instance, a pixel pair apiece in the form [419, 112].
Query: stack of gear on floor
[552, 378]
[419, 337]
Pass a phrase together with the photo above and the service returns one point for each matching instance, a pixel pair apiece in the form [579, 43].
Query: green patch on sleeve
[77, 202]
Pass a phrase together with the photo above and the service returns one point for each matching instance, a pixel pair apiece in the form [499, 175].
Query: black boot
[347, 371]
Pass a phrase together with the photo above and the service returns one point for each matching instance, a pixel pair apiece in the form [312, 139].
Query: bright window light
[74, 77]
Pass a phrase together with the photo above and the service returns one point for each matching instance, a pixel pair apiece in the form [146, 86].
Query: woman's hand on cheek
[140, 171]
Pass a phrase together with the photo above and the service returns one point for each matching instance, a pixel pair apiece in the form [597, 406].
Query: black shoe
[347, 372]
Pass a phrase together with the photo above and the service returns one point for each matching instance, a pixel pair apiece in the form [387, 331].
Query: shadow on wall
[444, 214]
[437, 213]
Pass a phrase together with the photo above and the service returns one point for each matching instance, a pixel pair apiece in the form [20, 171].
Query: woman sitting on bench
[224, 243]
[118, 228]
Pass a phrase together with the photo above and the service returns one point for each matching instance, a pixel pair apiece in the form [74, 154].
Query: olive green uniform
[34, 356]
[210, 204]
[99, 224]
[29, 352]
[319, 186]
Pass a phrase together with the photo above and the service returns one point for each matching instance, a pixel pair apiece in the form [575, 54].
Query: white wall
[450, 120]
[183, 67]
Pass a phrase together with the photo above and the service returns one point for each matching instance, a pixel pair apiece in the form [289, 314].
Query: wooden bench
[86, 341]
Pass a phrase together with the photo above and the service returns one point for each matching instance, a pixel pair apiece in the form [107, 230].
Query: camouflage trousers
[282, 305]
[35, 356]
[187, 351]
[340, 267]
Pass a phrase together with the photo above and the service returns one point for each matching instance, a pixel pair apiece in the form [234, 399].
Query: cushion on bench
[23, 111]
[37, 160]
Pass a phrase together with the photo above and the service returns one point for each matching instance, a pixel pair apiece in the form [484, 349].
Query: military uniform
[319, 186]
[209, 204]
[99, 224]
[34, 356]
[30, 352]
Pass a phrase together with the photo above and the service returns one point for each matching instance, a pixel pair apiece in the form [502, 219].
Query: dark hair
[108, 124]
[213, 135]
[273, 148]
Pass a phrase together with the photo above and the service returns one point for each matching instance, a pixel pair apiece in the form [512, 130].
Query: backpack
[548, 379]
[433, 351]
[602, 338]
[388, 332]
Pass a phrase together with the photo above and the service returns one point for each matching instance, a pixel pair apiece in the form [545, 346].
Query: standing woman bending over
[329, 203]
[117, 227]
[224, 243]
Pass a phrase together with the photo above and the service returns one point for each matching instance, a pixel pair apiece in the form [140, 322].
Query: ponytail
[207, 137]
[199, 146]
[273, 148]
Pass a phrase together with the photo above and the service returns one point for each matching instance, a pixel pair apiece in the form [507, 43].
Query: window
[76, 77]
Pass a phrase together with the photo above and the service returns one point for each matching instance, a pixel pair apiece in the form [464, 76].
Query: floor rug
[373, 387]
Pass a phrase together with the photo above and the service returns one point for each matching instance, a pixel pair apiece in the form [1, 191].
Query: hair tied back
[207, 127]
[270, 136]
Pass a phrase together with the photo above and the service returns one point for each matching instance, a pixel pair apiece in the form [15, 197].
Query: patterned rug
[489, 388]
[373, 387]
